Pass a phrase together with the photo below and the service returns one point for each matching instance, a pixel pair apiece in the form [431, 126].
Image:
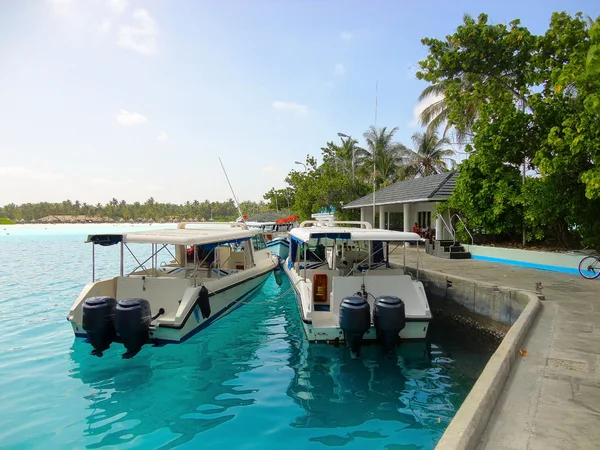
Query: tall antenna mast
[233, 193]
[374, 153]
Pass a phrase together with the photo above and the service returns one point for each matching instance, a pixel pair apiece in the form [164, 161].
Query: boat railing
[215, 225]
[329, 223]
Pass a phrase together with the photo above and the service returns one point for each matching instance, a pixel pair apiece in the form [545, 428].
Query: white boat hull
[324, 326]
[280, 247]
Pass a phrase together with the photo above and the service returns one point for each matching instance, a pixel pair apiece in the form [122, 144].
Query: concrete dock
[551, 399]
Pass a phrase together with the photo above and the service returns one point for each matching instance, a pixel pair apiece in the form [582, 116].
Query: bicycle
[589, 267]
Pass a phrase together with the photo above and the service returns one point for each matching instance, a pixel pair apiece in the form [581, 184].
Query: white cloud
[140, 37]
[290, 106]
[117, 6]
[271, 169]
[339, 69]
[24, 173]
[125, 117]
[162, 136]
[346, 35]
[420, 107]
[105, 26]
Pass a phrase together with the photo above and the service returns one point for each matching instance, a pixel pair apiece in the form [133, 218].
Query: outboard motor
[99, 322]
[277, 272]
[355, 321]
[132, 322]
[389, 318]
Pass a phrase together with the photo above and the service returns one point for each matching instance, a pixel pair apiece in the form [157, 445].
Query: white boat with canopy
[346, 289]
[212, 268]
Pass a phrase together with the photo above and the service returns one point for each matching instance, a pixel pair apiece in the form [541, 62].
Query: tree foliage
[132, 212]
[537, 102]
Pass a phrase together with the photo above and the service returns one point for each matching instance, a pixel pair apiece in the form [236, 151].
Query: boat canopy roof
[304, 234]
[183, 236]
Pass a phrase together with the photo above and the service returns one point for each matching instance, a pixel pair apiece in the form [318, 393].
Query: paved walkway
[551, 399]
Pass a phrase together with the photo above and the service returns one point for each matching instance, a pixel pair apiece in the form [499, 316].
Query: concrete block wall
[501, 304]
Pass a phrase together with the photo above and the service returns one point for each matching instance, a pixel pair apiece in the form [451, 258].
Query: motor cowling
[99, 322]
[389, 318]
[355, 321]
[132, 322]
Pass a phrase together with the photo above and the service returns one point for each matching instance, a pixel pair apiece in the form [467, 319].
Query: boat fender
[204, 302]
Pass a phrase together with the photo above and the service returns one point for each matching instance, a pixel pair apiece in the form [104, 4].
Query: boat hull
[415, 328]
[280, 247]
[222, 302]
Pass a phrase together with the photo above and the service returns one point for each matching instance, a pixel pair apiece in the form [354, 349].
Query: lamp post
[342, 135]
[302, 164]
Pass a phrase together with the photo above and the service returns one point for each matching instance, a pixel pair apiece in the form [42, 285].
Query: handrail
[213, 225]
[466, 229]
[328, 223]
[449, 228]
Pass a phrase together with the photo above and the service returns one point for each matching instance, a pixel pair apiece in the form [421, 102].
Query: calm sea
[248, 381]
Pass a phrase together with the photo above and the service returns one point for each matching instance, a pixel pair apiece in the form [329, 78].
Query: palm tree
[438, 114]
[431, 155]
[382, 155]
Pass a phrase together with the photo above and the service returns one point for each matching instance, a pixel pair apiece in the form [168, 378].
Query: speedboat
[347, 291]
[276, 233]
[213, 270]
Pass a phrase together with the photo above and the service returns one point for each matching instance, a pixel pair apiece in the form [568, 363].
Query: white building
[415, 199]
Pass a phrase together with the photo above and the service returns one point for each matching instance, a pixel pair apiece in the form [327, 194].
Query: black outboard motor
[389, 318]
[99, 322]
[132, 322]
[355, 321]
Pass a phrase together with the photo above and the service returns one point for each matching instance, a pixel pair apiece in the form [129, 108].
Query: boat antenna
[233, 193]
[374, 154]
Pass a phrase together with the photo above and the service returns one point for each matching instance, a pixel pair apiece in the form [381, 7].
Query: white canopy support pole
[122, 257]
[417, 260]
[93, 262]
[305, 246]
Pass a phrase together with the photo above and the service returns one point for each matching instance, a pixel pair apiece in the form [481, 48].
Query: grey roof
[431, 188]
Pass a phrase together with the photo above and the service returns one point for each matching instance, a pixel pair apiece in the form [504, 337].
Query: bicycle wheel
[589, 267]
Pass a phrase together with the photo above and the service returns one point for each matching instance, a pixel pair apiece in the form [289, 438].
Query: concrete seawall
[499, 303]
[510, 306]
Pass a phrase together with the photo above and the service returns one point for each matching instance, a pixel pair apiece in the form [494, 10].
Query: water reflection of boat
[182, 390]
[338, 391]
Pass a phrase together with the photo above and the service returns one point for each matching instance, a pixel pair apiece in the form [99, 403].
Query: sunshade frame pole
[122, 257]
[93, 262]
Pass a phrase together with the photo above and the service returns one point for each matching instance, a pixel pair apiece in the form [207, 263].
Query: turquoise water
[248, 381]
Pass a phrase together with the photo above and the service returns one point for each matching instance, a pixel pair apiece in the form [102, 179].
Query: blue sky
[133, 99]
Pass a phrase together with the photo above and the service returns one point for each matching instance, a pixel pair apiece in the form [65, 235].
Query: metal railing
[466, 229]
[451, 229]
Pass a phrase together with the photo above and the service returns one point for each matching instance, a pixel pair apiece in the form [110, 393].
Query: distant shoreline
[95, 224]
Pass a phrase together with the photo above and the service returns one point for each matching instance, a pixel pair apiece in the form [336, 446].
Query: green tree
[382, 155]
[432, 155]
[534, 97]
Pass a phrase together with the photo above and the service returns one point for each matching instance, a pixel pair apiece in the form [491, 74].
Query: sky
[135, 99]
